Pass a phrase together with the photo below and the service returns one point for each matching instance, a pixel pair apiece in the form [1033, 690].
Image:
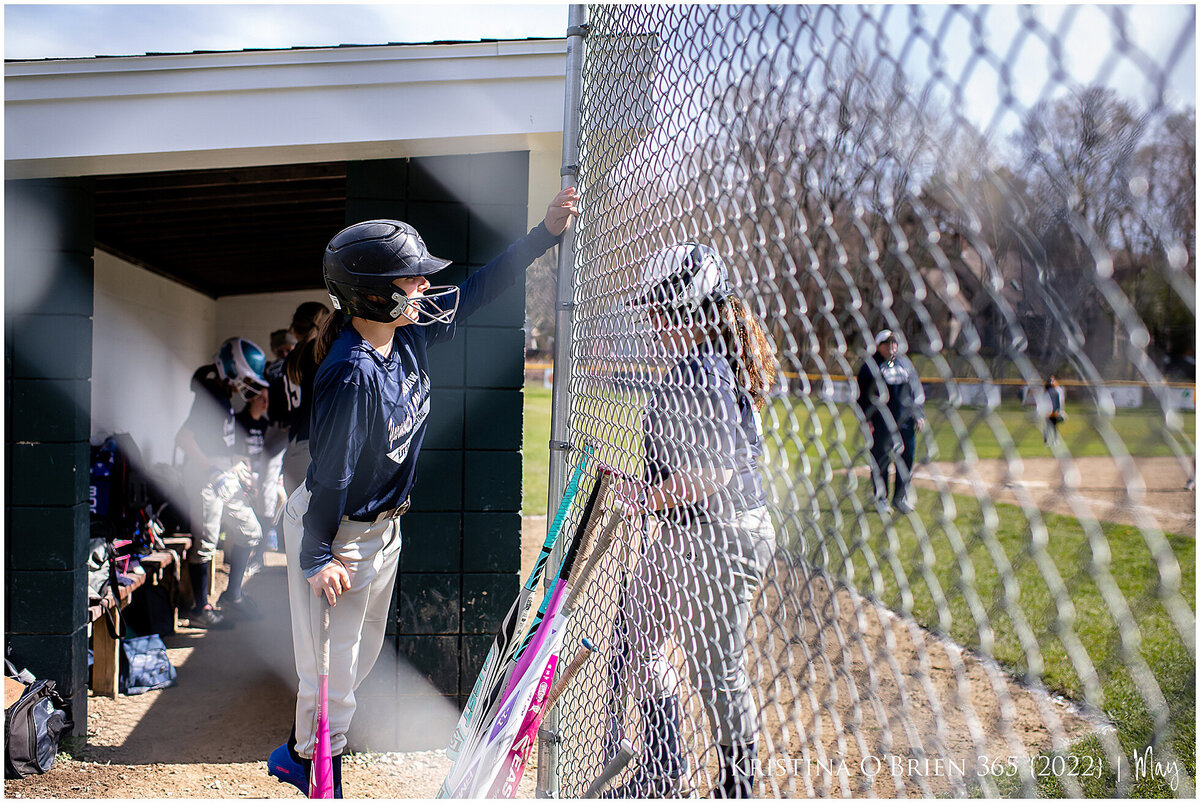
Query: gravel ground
[209, 736]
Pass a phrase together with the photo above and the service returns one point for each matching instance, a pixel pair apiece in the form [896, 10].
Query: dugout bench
[161, 569]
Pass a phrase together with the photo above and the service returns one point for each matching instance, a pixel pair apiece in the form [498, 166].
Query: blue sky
[38, 31]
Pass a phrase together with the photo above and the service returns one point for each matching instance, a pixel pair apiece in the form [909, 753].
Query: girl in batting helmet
[370, 404]
[217, 477]
[702, 438]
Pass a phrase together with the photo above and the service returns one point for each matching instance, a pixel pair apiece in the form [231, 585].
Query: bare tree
[1077, 161]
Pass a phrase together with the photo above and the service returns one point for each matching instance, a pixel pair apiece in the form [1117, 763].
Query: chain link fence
[1010, 192]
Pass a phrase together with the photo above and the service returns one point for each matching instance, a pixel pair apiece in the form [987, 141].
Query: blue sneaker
[288, 767]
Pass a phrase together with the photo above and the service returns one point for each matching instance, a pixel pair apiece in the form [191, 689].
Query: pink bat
[321, 784]
[556, 600]
[481, 773]
[513, 766]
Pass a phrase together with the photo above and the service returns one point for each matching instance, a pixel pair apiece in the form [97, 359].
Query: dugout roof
[225, 171]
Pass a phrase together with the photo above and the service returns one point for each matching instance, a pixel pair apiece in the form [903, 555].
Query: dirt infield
[857, 701]
[848, 693]
[1145, 491]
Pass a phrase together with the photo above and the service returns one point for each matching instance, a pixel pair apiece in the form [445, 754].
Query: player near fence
[370, 407]
[712, 537]
[893, 405]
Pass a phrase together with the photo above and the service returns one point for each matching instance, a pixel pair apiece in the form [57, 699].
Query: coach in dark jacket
[893, 404]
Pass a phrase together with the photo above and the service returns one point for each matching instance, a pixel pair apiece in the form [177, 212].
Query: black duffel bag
[33, 726]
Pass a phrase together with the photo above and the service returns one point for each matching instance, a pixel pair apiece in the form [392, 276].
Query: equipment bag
[150, 612]
[144, 665]
[33, 726]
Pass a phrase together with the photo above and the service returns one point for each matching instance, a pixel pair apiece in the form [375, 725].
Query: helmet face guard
[385, 305]
[435, 305]
[247, 390]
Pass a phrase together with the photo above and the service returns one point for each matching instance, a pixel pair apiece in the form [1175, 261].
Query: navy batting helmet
[362, 261]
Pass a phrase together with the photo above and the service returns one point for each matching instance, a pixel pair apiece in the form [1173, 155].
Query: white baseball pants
[295, 465]
[210, 509]
[371, 554]
[696, 584]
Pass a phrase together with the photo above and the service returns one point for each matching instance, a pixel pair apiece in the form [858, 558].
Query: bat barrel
[611, 770]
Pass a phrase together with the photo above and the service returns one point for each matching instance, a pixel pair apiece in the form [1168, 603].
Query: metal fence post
[547, 777]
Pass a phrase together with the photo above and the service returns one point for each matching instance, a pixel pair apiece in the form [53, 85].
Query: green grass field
[980, 566]
[535, 453]
[1009, 430]
[986, 586]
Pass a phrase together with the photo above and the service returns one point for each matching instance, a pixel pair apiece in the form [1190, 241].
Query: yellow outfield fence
[540, 367]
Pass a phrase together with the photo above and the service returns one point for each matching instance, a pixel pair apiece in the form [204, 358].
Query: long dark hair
[327, 333]
[308, 319]
[747, 348]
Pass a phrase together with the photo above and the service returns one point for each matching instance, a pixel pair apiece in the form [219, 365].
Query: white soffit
[202, 110]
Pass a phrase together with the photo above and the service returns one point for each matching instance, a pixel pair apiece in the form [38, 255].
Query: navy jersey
[299, 395]
[370, 412]
[890, 392]
[701, 418]
[277, 405]
[251, 438]
[211, 417]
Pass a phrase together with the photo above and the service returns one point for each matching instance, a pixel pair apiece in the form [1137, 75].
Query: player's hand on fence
[629, 498]
[331, 581]
[561, 210]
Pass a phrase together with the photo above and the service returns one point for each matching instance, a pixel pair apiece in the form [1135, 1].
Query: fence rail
[1010, 610]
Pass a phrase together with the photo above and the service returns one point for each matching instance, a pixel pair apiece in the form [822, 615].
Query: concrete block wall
[461, 556]
[47, 372]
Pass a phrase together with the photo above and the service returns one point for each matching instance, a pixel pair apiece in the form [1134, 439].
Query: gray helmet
[361, 262]
[683, 276]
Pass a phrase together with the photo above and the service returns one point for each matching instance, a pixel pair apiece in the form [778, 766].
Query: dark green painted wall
[48, 278]
[462, 539]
